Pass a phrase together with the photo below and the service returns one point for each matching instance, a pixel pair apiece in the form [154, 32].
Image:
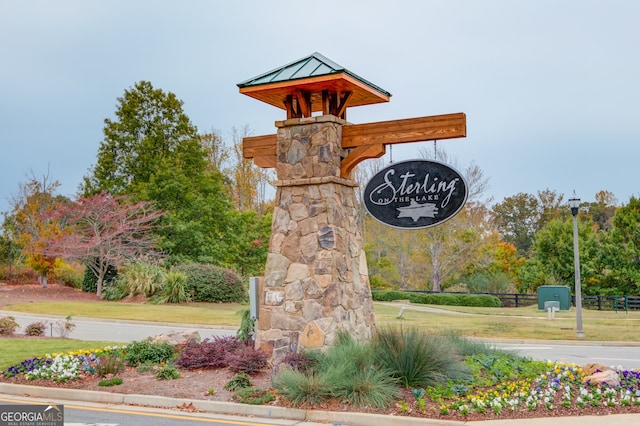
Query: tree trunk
[436, 281]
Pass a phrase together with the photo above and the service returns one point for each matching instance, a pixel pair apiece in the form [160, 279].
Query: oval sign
[415, 194]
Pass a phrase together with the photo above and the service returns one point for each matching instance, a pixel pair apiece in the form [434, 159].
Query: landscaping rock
[610, 377]
[594, 368]
[176, 338]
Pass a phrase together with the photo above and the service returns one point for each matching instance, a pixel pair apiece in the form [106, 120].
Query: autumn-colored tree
[249, 181]
[31, 225]
[103, 231]
[216, 152]
[603, 210]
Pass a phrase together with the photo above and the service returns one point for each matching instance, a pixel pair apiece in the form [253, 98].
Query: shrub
[64, 328]
[8, 326]
[90, 281]
[174, 289]
[254, 396]
[210, 353]
[484, 300]
[417, 359]
[109, 364]
[301, 388]
[115, 290]
[305, 362]
[481, 300]
[388, 295]
[68, 275]
[167, 371]
[114, 381]
[247, 359]
[213, 284]
[144, 352]
[143, 279]
[238, 381]
[18, 274]
[359, 381]
[247, 326]
[35, 329]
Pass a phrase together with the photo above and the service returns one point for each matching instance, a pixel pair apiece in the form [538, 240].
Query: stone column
[316, 279]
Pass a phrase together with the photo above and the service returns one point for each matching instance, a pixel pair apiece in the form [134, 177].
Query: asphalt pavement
[127, 331]
[116, 330]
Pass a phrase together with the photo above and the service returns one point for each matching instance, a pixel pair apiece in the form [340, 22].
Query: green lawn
[512, 323]
[191, 313]
[515, 323]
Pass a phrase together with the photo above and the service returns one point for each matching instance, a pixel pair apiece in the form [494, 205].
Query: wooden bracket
[359, 154]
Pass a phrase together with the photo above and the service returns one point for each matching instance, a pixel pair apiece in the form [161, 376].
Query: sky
[550, 87]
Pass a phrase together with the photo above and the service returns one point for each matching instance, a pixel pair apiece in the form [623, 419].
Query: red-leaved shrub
[210, 353]
[247, 359]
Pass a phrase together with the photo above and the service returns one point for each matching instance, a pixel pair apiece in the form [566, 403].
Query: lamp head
[574, 203]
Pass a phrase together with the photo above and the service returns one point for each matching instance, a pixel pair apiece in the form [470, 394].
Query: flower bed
[500, 388]
[62, 367]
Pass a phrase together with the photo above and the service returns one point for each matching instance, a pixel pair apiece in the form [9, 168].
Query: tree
[553, 251]
[519, 217]
[151, 133]
[249, 181]
[450, 246]
[603, 209]
[104, 231]
[619, 253]
[30, 224]
[517, 220]
[152, 152]
[216, 152]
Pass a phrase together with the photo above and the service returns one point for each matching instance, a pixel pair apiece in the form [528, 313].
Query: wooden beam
[259, 146]
[359, 154]
[326, 102]
[265, 162]
[342, 107]
[371, 134]
[419, 129]
[304, 102]
[288, 105]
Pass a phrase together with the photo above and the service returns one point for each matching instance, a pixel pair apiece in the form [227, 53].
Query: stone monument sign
[316, 281]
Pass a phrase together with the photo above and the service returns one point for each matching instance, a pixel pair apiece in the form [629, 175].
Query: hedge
[213, 284]
[482, 300]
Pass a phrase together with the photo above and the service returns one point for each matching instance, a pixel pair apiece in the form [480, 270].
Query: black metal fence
[600, 303]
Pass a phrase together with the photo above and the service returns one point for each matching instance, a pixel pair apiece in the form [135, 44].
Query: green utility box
[554, 293]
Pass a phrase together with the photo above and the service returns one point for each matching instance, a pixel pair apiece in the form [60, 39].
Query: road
[102, 415]
[115, 330]
[579, 353]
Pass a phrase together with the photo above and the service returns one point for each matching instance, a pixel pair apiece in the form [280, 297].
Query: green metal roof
[314, 65]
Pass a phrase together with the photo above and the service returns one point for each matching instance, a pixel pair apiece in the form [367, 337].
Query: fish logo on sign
[415, 211]
[415, 194]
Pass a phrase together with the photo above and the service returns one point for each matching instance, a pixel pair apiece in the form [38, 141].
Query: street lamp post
[574, 204]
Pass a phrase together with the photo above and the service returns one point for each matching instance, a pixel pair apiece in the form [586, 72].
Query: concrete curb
[226, 408]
